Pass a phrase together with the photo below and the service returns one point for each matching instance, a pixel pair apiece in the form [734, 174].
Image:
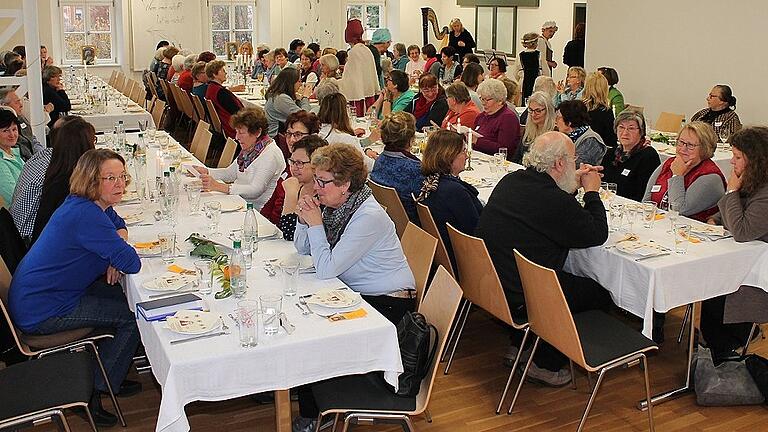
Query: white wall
[669, 54]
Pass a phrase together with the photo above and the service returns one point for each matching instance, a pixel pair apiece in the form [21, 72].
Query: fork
[224, 326]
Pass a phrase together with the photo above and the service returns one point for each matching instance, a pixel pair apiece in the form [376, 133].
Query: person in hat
[529, 63]
[548, 30]
[381, 40]
[359, 82]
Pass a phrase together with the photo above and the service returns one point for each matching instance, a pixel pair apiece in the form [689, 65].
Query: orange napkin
[146, 245]
[659, 216]
[181, 270]
[357, 313]
[693, 239]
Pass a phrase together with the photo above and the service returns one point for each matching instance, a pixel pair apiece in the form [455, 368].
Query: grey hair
[386, 65]
[459, 92]
[631, 115]
[185, 52]
[190, 61]
[330, 61]
[326, 87]
[545, 84]
[4, 92]
[493, 89]
[178, 62]
[159, 53]
[532, 130]
[50, 72]
[546, 151]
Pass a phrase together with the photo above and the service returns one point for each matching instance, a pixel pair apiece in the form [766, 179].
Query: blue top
[199, 91]
[400, 63]
[368, 256]
[75, 248]
[395, 170]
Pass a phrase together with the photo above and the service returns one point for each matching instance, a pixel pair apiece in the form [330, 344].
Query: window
[88, 23]
[496, 28]
[370, 14]
[230, 22]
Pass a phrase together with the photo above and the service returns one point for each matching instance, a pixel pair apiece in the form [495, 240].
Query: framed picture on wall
[232, 50]
[88, 54]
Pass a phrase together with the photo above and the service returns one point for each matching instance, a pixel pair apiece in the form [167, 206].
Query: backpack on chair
[416, 351]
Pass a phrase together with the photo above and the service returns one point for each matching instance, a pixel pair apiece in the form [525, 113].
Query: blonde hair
[344, 162]
[457, 21]
[442, 148]
[532, 130]
[595, 93]
[705, 134]
[397, 130]
[546, 85]
[530, 40]
[86, 177]
[580, 72]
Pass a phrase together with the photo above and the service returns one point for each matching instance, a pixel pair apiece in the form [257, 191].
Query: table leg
[688, 387]
[283, 410]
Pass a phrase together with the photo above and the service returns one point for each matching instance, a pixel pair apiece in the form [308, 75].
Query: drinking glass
[204, 275]
[290, 279]
[213, 213]
[247, 314]
[167, 246]
[612, 189]
[617, 213]
[151, 131]
[194, 189]
[649, 213]
[503, 152]
[673, 213]
[143, 125]
[630, 213]
[724, 134]
[163, 140]
[270, 309]
[682, 234]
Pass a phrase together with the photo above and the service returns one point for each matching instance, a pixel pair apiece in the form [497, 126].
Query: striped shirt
[29, 188]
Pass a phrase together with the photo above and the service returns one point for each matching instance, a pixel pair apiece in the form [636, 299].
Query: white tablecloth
[105, 122]
[218, 369]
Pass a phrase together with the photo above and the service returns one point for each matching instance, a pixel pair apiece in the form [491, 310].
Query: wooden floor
[465, 399]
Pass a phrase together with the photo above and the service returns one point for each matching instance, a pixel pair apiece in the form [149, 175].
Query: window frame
[231, 28]
[114, 31]
[368, 32]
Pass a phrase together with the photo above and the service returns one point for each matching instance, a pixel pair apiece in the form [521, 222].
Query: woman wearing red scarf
[429, 106]
[254, 173]
[690, 179]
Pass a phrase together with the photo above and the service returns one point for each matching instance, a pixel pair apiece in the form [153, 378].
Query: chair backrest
[548, 313]
[202, 147]
[429, 225]
[182, 98]
[5, 286]
[127, 87]
[213, 115]
[419, 249]
[228, 154]
[669, 122]
[119, 82]
[169, 100]
[158, 111]
[152, 87]
[138, 94]
[388, 197]
[197, 137]
[112, 77]
[199, 108]
[479, 279]
[439, 307]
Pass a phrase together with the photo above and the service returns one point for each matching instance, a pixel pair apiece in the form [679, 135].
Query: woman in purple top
[497, 124]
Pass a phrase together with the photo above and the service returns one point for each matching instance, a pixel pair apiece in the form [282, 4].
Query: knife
[652, 256]
[205, 336]
[285, 324]
[170, 293]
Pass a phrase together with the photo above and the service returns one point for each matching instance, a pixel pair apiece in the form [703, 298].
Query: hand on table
[211, 184]
[308, 210]
[237, 88]
[201, 170]
[590, 177]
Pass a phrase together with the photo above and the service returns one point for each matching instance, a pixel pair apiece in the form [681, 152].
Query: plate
[640, 248]
[169, 282]
[130, 196]
[192, 322]
[148, 248]
[228, 206]
[335, 298]
[713, 230]
[305, 261]
[135, 109]
[267, 230]
[133, 218]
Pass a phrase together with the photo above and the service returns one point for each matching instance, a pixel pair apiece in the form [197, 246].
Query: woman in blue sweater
[449, 198]
[68, 280]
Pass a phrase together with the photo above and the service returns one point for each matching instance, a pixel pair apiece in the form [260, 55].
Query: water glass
[270, 311]
[290, 279]
[213, 213]
[151, 131]
[616, 213]
[682, 235]
[612, 190]
[503, 153]
[649, 213]
[247, 314]
[194, 189]
[163, 140]
[630, 214]
[204, 276]
[167, 246]
[673, 212]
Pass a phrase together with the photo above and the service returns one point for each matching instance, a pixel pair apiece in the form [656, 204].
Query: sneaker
[511, 355]
[546, 376]
[303, 424]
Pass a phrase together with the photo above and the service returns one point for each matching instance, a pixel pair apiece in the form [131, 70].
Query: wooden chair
[593, 339]
[112, 78]
[482, 287]
[120, 82]
[419, 249]
[37, 346]
[197, 137]
[201, 111]
[388, 197]
[158, 113]
[429, 225]
[202, 147]
[365, 399]
[138, 94]
[228, 154]
[213, 116]
[669, 122]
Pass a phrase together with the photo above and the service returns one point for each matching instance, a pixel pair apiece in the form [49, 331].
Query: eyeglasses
[486, 100]
[125, 177]
[621, 129]
[322, 183]
[297, 163]
[297, 135]
[429, 89]
[687, 145]
[536, 110]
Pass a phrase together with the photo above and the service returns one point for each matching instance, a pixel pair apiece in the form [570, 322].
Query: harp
[428, 16]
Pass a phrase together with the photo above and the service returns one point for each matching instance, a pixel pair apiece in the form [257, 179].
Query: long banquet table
[105, 122]
[218, 368]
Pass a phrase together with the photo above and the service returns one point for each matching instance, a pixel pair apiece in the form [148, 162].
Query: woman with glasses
[689, 180]
[285, 96]
[299, 125]
[415, 66]
[461, 109]
[69, 278]
[497, 67]
[396, 95]
[497, 124]
[70, 141]
[633, 161]
[541, 119]
[720, 111]
[573, 86]
[429, 106]
[335, 126]
[301, 183]
[254, 173]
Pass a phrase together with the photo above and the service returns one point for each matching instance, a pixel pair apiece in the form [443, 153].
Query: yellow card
[357, 313]
[146, 245]
[659, 216]
[181, 270]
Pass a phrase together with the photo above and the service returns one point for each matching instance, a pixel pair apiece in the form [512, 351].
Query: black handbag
[416, 351]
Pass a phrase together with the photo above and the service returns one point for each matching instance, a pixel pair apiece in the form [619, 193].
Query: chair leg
[458, 336]
[409, 424]
[62, 423]
[648, 392]
[512, 372]
[749, 339]
[454, 327]
[112, 396]
[573, 375]
[522, 378]
[682, 325]
[591, 400]
[427, 415]
[347, 419]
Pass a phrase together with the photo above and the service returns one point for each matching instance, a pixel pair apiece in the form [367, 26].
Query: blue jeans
[103, 307]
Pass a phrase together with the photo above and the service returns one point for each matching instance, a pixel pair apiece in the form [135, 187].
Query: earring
[344, 193]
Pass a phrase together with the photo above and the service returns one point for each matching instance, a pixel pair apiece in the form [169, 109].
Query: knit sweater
[397, 171]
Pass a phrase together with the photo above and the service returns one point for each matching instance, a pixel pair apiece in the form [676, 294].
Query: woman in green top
[10, 162]
[396, 96]
[615, 96]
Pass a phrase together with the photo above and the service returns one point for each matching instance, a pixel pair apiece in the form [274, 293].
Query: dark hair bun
[732, 101]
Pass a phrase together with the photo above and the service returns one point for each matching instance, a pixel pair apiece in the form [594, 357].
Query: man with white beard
[535, 211]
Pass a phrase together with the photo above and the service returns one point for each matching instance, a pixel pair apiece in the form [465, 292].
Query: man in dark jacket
[535, 212]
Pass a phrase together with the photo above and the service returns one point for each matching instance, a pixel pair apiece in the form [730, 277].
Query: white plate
[169, 282]
[192, 322]
[267, 230]
[335, 298]
[149, 251]
[305, 261]
[640, 248]
[133, 218]
[710, 230]
[130, 196]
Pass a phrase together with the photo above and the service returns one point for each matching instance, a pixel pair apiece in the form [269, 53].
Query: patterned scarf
[245, 158]
[620, 156]
[430, 185]
[577, 132]
[335, 219]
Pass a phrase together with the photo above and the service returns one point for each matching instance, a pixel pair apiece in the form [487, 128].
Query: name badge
[655, 188]
[23, 125]
[625, 172]
[718, 124]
